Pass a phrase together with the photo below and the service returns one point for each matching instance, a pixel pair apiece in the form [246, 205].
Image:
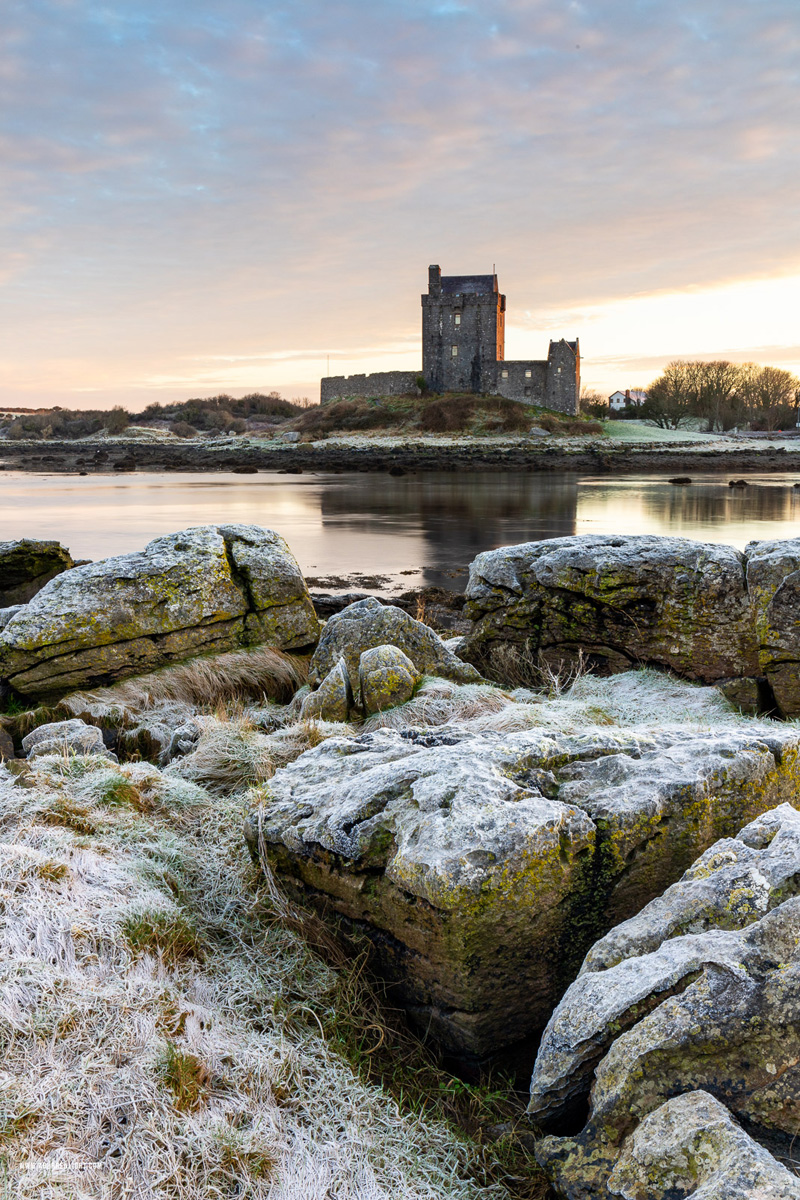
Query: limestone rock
[26, 566]
[387, 677]
[206, 589]
[620, 600]
[7, 613]
[333, 698]
[65, 737]
[692, 1147]
[734, 883]
[183, 741]
[700, 990]
[773, 580]
[750, 695]
[483, 866]
[367, 624]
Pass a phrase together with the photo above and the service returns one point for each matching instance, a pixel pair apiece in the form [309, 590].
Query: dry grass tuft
[261, 673]
[513, 665]
[440, 702]
[169, 934]
[232, 754]
[71, 814]
[186, 1076]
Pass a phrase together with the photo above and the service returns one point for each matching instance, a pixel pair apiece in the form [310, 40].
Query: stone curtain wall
[381, 383]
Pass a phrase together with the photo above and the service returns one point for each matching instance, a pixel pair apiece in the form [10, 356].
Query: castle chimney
[434, 280]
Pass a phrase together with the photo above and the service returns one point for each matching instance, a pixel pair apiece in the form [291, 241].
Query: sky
[204, 196]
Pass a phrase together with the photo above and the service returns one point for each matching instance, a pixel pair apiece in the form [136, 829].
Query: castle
[463, 350]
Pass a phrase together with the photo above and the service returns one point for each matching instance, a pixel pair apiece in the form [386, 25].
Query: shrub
[458, 413]
[183, 429]
[349, 415]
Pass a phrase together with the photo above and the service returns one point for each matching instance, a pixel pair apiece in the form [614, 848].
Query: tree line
[723, 394]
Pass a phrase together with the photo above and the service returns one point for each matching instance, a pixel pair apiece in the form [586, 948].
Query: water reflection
[408, 530]
[456, 516]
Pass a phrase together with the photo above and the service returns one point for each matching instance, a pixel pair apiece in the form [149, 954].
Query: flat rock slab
[700, 990]
[26, 566]
[484, 866]
[211, 588]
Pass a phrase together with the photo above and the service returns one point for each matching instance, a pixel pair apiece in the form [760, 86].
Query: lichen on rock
[618, 600]
[700, 990]
[484, 866]
[692, 1147]
[203, 590]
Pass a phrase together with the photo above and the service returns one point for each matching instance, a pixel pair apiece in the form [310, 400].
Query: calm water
[384, 532]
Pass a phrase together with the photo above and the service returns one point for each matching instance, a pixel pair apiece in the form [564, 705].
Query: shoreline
[101, 457]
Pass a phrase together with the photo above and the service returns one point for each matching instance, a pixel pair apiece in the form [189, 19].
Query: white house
[630, 398]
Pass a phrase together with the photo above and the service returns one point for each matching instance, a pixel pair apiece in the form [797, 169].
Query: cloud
[186, 178]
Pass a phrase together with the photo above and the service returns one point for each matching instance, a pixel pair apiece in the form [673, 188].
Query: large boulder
[206, 589]
[483, 866]
[700, 990]
[26, 566]
[773, 580]
[618, 600]
[692, 1147]
[368, 624]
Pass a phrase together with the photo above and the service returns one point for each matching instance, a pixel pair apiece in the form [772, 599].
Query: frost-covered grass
[232, 753]
[161, 1035]
[644, 698]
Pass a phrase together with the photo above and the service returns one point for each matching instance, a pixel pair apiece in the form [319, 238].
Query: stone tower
[463, 332]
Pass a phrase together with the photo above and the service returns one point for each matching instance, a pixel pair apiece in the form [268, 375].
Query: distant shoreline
[116, 456]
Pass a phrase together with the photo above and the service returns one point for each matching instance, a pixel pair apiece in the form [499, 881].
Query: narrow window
[454, 351]
[528, 373]
[559, 370]
[457, 318]
[504, 374]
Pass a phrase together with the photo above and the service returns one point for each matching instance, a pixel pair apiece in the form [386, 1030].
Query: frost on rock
[692, 1148]
[65, 737]
[700, 990]
[203, 590]
[484, 866]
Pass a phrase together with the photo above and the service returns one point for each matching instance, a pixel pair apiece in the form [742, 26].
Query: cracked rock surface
[666, 601]
[206, 589]
[483, 866]
[700, 990]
